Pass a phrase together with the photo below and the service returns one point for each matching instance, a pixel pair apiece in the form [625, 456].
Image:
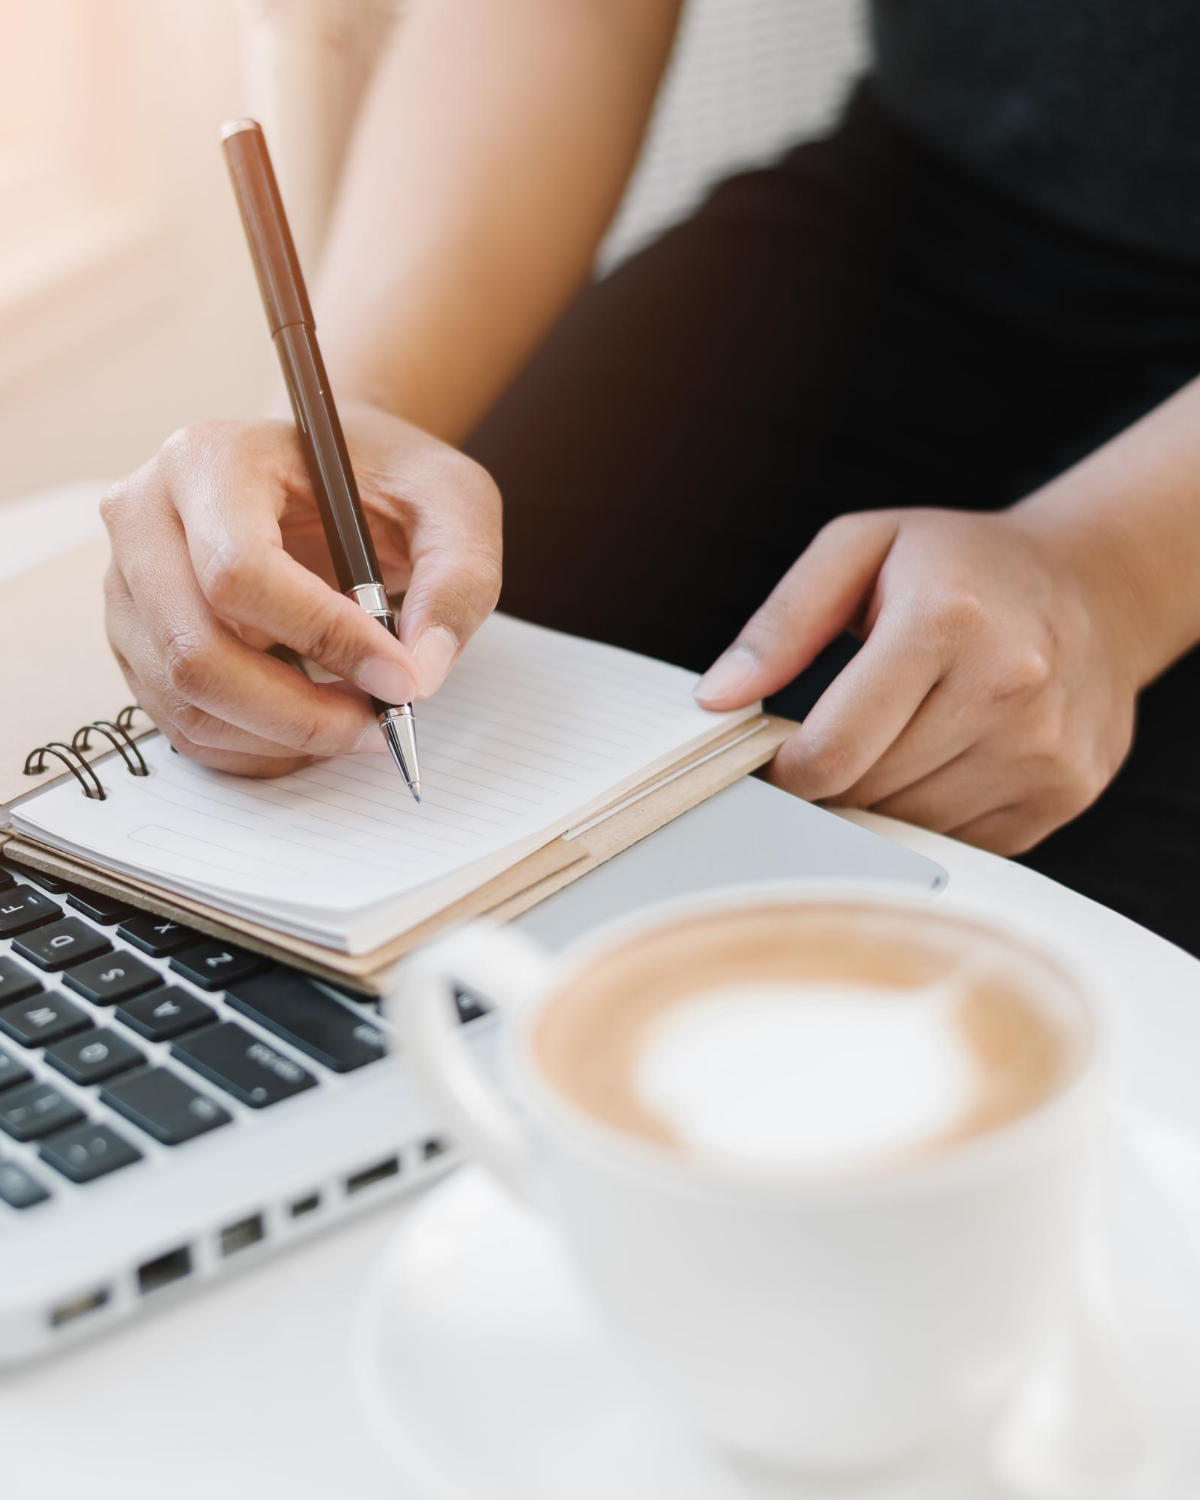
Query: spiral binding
[73, 757]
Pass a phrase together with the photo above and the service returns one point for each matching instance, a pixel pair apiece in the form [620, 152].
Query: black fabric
[1086, 108]
[859, 326]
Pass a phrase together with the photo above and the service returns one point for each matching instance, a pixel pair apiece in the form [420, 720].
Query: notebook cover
[521, 886]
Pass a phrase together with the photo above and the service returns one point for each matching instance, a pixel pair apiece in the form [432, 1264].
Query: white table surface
[245, 1391]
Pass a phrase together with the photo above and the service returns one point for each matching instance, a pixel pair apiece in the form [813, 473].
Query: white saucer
[484, 1376]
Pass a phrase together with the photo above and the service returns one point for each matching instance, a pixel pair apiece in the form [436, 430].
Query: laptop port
[433, 1146]
[304, 1206]
[242, 1235]
[173, 1266]
[76, 1307]
[369, 1176]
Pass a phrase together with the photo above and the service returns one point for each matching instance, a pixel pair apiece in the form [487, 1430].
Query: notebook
[542, 755]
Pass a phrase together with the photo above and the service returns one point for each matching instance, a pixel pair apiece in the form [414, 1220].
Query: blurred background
[127, 303]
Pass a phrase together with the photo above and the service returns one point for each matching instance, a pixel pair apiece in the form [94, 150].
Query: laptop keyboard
[119, 1028]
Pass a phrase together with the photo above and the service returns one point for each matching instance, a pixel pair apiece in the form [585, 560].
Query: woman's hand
[218, 554]
[993, 697]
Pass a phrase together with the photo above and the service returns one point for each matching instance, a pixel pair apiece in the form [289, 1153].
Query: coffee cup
[818, 1155]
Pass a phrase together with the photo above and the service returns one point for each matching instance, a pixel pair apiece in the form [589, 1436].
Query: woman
[923, 384]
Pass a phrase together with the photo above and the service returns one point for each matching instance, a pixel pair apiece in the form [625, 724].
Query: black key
[17, 1188]
[34, 1110]
[94, 1056]
[469, 1009]
[293, 1008]
[252, 1072]
[165, 1106]
[156, 936]
[214, 965]
[16, 982]
[12, 1071]
[67, 941]
[22, 909]
[87, 1152]
[55, 884]
[43, 1020]
[101, 908]
[111, 977]
[165, 1013]
[6, 878]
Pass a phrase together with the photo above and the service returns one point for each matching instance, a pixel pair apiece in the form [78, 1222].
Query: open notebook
[535, 735]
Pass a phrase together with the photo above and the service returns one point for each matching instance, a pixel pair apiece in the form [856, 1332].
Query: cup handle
[504, 967]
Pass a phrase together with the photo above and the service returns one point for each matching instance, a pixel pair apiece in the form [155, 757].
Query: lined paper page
[534, 731]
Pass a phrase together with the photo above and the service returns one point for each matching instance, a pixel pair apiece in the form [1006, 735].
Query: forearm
[1129, 515]
[490, 156]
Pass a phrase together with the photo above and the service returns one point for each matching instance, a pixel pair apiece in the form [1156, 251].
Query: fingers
[272, 761]
[230, 517]
[861, 713]
[823, 593]
[455, 545]
[940, 731]
[966, 788]
[204, 685]
[202, 585]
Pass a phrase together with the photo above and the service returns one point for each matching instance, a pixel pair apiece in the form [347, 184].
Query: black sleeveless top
[1088, 110]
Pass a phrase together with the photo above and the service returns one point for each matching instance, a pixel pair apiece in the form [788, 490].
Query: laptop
[138, 1161]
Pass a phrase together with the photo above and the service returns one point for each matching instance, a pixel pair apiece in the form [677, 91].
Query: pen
[294, 333]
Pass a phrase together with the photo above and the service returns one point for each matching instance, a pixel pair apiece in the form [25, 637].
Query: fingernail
[386, 680]
[433, 653]
[726, 675]
[370, 741]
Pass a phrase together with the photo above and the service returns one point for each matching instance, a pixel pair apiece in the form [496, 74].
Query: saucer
[484, 1375]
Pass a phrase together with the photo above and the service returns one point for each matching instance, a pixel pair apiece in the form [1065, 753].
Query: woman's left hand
[994, 694]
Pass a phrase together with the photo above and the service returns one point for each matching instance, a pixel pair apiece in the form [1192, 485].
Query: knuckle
[454, 603]
[308, 734]
[469, 478]
[200, 727]
[487, 574]
[456, 599]
[838, 527]
[191, 722]
[828, 768]
[1023, 674]
[185, 442]
[113, 501]
[227, 579]
[957, 611]
[330, 636]
[189, 662]
[1048, 740]
[1092, 777]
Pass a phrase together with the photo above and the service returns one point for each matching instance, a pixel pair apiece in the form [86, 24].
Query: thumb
[816, 599]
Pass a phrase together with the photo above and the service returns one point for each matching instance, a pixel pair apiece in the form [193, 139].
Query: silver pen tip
[400, 731]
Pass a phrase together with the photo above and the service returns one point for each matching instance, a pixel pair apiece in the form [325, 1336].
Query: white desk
[245, 1392]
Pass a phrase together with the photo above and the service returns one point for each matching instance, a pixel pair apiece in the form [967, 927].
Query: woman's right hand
[218, 554]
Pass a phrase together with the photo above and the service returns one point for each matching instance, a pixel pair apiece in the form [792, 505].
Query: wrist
[1099, 555]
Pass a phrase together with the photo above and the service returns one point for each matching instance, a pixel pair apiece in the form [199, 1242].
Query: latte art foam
[819, 1077]
[821, 1038]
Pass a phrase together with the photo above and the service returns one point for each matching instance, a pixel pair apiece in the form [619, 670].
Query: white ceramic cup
[822, 1326]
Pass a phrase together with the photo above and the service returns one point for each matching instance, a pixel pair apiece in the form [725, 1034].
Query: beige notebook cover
[69, 677]
[521, 886]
